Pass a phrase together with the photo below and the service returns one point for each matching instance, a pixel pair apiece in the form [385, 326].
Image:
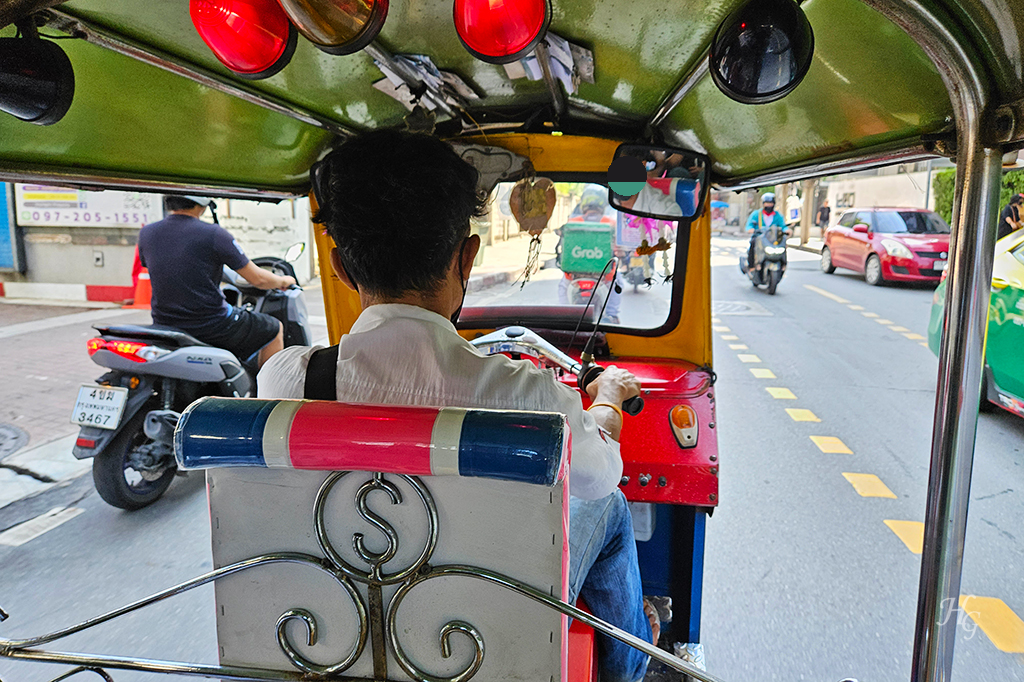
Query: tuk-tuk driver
[398, 206]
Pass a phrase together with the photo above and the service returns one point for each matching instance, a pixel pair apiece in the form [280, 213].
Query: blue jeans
[603, 569]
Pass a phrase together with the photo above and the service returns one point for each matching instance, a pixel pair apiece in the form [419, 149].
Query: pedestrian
[824, 213]
[1009, 219]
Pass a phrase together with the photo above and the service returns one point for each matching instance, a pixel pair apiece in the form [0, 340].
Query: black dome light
[37, 82]
[762, 51]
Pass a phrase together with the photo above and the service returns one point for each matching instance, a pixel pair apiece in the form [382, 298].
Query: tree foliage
[944, 187]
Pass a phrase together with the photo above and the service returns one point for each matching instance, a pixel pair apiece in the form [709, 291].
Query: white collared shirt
[406, 355]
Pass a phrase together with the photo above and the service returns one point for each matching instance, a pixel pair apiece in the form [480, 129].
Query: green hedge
[944, 185]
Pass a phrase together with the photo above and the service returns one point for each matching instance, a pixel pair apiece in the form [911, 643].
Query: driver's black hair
[1017, 199]
[397, 205]
[174, 203]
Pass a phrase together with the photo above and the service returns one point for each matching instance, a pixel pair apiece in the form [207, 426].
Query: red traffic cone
[143, 292]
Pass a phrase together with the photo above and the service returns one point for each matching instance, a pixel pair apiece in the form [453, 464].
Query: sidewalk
[44, 361]
[504, 261]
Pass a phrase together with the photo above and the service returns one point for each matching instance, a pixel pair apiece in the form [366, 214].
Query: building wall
[897, 190]
[76, 262]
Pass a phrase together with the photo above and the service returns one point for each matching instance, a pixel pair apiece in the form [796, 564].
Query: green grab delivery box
[586, 247]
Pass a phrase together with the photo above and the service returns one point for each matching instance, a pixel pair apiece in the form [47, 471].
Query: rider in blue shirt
[762, 220]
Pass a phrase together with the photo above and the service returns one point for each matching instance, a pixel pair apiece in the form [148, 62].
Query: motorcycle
[128, 417]
[769, 259]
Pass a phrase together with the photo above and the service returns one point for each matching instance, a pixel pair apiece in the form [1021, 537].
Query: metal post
[956, 410]
[963, 335]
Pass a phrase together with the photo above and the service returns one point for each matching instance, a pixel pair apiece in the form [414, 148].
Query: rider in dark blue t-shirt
[185, 257]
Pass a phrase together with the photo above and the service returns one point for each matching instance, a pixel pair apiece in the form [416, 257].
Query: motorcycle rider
[761, 221]
[593, 207]
[185, 257]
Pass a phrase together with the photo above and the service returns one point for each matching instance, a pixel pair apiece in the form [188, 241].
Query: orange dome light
[501, 32]
[337, 26]
[253, 38]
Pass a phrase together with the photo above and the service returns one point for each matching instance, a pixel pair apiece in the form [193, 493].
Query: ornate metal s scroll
[377, 621]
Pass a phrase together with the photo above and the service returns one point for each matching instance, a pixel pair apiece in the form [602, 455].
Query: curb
[30, 472]
[490, 279]
[808, 249]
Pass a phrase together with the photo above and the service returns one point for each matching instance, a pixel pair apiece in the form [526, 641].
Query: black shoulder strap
[320, 375]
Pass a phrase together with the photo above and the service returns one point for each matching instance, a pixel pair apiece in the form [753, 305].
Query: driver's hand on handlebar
[614, 386]
[286, 282]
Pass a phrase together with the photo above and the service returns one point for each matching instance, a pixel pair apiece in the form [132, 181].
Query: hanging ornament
[532, 203]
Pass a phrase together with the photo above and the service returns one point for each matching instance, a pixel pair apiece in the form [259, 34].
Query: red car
[888, 244]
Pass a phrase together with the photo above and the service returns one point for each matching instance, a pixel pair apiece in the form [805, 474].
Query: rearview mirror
[658, 182]
[294, 251]
[861, 227]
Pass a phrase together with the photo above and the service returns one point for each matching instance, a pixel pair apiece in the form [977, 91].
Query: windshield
[912, 222]
[584, 232]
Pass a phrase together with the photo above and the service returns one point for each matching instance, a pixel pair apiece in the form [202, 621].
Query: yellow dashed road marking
[855, 307]
[762, 373]
[831, 445]
[730, 337]
[914, 337]
[715, 320]
[737, 346]
[897, 328]
[910, 532]
[781, 393]
[720, 328]
[747, 357]
[868, 485]
[925, 344]
[881, 321]
[800, 415]
[826, 294]
[870, 314]
[997, 620]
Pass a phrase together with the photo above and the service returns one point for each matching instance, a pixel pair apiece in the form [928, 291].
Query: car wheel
[873, 271]
[826, 261]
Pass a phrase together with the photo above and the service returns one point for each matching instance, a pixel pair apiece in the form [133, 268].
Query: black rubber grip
[632, 406]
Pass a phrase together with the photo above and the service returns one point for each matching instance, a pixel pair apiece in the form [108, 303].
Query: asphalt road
[803, 578]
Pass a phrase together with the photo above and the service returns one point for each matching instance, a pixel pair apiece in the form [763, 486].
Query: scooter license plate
[99, 406]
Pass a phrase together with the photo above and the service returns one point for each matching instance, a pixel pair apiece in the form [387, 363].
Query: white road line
[29, 530]
[62, 321]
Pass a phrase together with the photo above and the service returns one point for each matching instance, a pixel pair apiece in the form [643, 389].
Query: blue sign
[10, 250]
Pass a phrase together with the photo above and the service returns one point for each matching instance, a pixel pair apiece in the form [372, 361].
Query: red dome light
[501, 31]
[253, 38]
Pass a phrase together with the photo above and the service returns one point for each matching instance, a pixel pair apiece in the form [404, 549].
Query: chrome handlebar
[522, 340]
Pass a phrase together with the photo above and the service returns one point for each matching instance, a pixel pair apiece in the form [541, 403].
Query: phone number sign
[42, 205]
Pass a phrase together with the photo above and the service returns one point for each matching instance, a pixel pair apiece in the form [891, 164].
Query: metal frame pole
[963, 336]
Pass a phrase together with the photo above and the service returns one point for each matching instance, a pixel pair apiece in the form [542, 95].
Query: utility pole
[806, 217]
[928, 185]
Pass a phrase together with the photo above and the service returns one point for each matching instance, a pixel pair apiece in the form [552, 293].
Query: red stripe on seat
[340, 437]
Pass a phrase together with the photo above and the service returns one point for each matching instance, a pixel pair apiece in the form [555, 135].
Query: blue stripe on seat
[222, 432]
[512, 446]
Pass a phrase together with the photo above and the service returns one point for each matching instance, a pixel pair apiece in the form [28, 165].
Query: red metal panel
[649, 447]
[582, 651]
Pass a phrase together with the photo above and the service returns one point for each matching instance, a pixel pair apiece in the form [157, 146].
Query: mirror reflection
[657, 182]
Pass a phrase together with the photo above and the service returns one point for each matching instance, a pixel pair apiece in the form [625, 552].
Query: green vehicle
[1003, 376]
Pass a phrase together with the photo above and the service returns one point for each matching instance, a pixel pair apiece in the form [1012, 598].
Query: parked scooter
[128, 417]
[769, 259]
